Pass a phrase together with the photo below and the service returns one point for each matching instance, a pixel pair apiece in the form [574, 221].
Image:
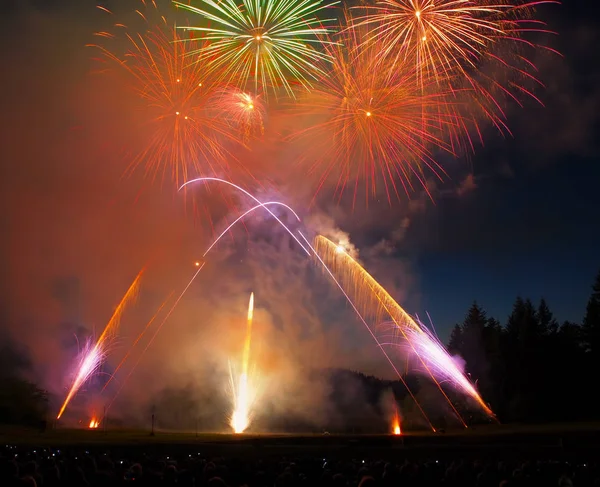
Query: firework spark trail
[376, 300]
[155, 333]
[432, 375]
[242, 190]
[204, 255]
[271, 42]
[246, 356]
[360, 316]
[438, 359]
[140, 336]
[324, 266]
[259, 205]
[385, 303]
[373, 298]
[244, 398]
[93, 359]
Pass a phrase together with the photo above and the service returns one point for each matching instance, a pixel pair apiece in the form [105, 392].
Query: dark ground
[502, 441]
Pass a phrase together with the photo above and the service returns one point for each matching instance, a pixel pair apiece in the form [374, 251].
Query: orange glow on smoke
[397, 430]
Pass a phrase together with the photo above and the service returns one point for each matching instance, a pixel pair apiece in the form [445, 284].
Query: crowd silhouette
[55, 468]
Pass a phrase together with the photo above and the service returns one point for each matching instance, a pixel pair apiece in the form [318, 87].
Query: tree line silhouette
[533, 369]
[530, 369]
[21, 402]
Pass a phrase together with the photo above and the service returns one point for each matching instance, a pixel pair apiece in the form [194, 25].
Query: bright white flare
[240, 418]
[244, 396]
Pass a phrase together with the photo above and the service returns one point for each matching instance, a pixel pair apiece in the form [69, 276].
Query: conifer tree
[455, 344]
[591, 322]
[546, 319]
[473, 330]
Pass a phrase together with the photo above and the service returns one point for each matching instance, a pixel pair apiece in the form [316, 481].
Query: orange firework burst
[460, 43]
[440, 35]
[244, 112]
[185, 137]
[372, 124]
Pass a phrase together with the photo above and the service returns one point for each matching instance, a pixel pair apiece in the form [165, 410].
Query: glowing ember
[396, 422]
[239, 419]
[396, 425]
[94, 423]
[243, 112]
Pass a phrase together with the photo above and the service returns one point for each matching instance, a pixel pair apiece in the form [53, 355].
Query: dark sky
[519, 217]
[534, 230]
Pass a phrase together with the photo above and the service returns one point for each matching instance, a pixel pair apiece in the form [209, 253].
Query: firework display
[376, 96]
[369, 300]
[199, 266]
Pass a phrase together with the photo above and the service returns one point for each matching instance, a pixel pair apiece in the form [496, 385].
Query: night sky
[518, 217]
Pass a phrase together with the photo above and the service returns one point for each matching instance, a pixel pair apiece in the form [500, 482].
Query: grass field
[559, 440]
